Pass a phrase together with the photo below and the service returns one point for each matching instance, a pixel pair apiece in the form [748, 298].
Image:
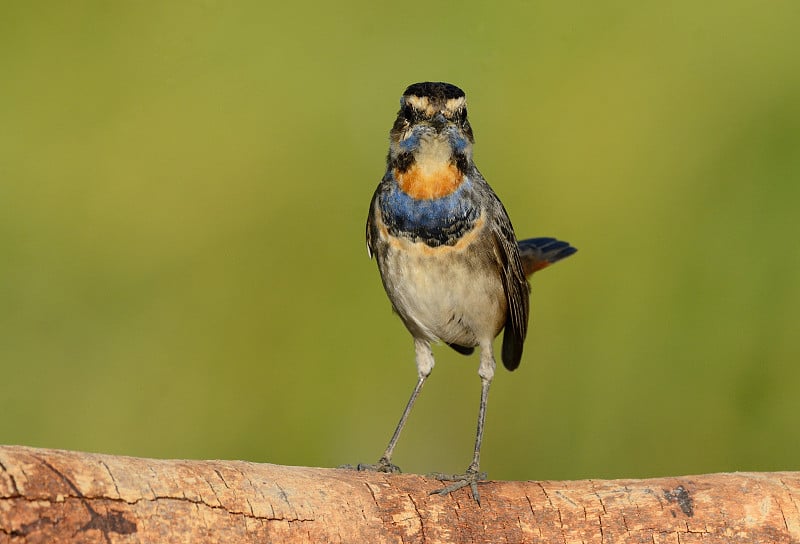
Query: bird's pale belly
[447, 293]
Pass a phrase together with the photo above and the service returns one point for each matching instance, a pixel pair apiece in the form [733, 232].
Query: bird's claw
[469, 478]
[383, 465]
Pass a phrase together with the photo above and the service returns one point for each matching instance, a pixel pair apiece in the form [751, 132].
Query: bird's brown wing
[516, 288]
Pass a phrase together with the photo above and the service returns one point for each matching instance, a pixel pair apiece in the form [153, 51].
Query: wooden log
[53, 496]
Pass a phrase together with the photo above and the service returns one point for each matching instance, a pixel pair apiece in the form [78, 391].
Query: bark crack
[783, 515]
[214, 491]
[113, 479]
[374, 498]
[566, 498]
[115, 522]
[217, 472]
[14, 488]
[558, 511]
[419, 516]
[86, 499]
[789, 492]
[599, 498]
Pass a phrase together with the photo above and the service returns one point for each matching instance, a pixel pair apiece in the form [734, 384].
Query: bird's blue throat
[433, 221]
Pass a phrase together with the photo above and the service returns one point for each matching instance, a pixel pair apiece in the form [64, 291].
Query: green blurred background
[184, 187]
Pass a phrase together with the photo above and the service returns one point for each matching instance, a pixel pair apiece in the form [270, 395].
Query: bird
[447, 254]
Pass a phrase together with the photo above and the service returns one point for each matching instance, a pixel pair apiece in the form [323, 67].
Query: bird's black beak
[439, 121]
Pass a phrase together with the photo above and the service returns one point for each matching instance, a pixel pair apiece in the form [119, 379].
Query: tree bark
[53, 496]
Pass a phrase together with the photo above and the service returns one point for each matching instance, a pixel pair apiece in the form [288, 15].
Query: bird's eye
[400, 124]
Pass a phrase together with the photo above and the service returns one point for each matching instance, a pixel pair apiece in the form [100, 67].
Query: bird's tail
[538, 253]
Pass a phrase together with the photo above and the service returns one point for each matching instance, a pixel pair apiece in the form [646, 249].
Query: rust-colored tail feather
[538, 253]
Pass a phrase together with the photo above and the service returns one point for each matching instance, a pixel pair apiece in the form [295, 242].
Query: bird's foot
[470, 478]
[383, 465]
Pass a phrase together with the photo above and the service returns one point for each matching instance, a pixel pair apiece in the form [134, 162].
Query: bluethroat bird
[447, 254]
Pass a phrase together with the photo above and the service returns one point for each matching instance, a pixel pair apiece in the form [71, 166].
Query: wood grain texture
[53, 496]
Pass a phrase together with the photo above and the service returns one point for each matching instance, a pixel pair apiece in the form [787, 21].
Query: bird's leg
[473, 474]
[384, 464]
[424, 366]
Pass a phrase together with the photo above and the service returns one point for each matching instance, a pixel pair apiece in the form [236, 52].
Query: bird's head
[431, 129]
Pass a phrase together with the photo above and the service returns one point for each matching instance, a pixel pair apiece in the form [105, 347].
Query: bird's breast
[449, 292]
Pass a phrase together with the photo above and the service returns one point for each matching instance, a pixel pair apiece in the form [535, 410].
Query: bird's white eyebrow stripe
[454, 104]
[420, 103]
[423, 104]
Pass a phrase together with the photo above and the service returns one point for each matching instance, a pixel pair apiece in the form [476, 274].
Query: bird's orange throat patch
[426, 183]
